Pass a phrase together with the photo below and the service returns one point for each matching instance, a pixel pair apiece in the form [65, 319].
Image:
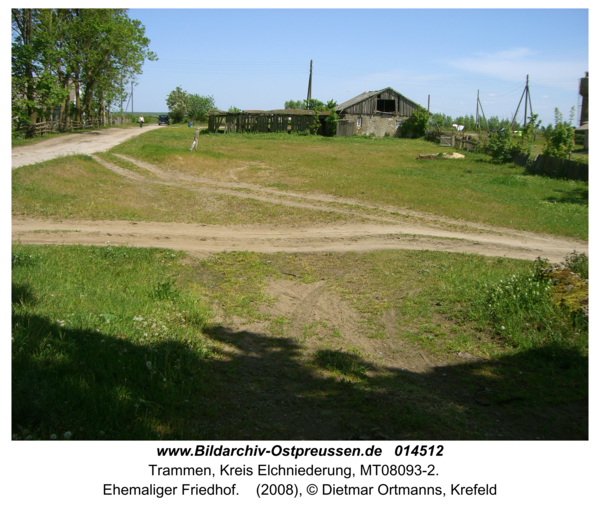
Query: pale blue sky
[259, 58]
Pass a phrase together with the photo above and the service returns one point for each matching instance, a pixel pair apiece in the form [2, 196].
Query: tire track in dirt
[261, 192]
[199, 238]
[174, 179]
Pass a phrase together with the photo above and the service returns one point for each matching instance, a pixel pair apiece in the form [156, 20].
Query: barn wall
[378, 125]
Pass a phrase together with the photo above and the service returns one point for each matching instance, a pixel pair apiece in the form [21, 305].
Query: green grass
[382, 171]
[119, 343]
[104, 344]
[78, 187]
[123, 343]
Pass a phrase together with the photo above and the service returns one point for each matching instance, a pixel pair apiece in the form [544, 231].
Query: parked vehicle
[163, 119]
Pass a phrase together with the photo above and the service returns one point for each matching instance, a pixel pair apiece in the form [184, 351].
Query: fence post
[195, 143]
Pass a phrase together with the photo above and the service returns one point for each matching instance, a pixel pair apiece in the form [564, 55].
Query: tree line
[91, 54]
[185, 106]
[493, 123]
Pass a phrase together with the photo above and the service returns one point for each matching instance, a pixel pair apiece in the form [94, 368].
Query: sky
[260, 58]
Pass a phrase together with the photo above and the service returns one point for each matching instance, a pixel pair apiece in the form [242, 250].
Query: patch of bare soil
[283, 380]
[200, 238]
[318, 318]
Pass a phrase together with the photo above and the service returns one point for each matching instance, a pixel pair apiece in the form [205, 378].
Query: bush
[331, 124]
[578, 263]
[560, 141]
[416, 124]
[500, 147]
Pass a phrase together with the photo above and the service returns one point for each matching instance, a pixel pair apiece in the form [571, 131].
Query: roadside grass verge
[382, 171]
[122, 343]
[78, 187]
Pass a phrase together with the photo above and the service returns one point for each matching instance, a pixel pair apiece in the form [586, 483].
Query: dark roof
[273, 112]
[366, 95]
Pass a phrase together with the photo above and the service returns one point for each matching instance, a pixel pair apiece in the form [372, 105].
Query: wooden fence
[553, 166]
[461, 140]
[43, 128]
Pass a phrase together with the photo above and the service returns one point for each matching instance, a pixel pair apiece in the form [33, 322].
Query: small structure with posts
[277, 120]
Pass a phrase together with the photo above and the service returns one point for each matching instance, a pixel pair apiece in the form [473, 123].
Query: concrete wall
[377, 125]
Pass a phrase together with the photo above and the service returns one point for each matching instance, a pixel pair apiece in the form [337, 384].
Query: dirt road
[82, 142]
[196, 238]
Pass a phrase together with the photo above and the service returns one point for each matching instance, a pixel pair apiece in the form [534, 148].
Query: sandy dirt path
[80, 143]
[197, 238]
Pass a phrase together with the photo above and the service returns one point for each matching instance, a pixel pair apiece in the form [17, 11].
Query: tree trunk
[77, 101]
[31, 112]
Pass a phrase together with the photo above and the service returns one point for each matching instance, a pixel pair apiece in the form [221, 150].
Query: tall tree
[34, 87]
[96, 52]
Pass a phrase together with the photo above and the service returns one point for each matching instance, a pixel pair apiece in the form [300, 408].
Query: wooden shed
[379, 113]
[277, 120]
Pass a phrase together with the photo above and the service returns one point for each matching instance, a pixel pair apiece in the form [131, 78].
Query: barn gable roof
[367, 95]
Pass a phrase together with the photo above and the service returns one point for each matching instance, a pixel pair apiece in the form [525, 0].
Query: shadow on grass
[578, 196]
[254, 386]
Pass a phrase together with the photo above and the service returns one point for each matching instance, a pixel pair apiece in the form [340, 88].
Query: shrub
[500, 147]
[331, 123]
[578, 263]
[416, 124]
[560, 141]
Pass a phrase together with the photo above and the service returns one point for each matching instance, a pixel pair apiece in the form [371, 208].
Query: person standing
[141, 120]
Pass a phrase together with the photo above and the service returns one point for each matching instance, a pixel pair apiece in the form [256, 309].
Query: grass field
[125, 343]
[382, 171]
[79, 187]
[120, 343]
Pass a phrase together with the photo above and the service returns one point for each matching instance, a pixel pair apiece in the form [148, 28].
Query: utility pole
[478, 120]
[477, 125]
[122, 97]
[309, 96]
[428, 102]
[527, 96]
[132, 96]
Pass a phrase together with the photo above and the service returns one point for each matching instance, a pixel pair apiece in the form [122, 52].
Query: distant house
[584, 126]
[379, 113]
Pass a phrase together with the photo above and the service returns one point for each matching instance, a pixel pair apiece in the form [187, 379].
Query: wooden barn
[379, 113]
[277, 120]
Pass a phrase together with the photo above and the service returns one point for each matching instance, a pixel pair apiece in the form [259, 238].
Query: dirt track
[83, 142]
[413, 231]
[195, 238]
